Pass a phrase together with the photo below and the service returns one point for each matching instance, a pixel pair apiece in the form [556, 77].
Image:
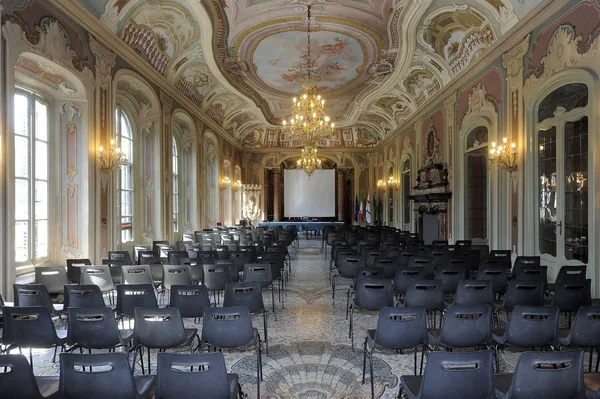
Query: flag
[356, 210]
[368, 209]
[360, 212]
[374, 210]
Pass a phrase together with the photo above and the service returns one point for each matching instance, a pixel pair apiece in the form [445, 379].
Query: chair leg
[266, 329]
[351, 332]
[497, 360]
[415, 371]
[423, 350]
[371, 369]
[364, 359]
[590, 362]
[149, 365]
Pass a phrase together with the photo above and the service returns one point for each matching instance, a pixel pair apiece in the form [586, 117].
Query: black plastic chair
[505, 255]
[101, 376]
[425, 262]
[548, 375]
[36, 295]
[83, 296]
[449, 275]
[404, 276]
[389, 264]
[397, 329]
[571, 273]
[139, 274]
[452, 375]
[174, 257]
[53, 277]
[532, 273]
[248, 294]
[31, 327]
[232, 328]
[370, 294]
[17, 380]
[121, 255]
[524, 293]
[427, 293]
[160, 329]
[131, 296]
[175, 275]
[136, 252]
[95, 328]
[570, 295]
[190, 300]
[496, 274]
[191, 376]
[528, 327]
[100, 276]
[346, 268]
[464, 327]
[216, 276]
[585, 332]
[73, 266]
[473, 292]
[157, 244]
[521, 261]
[115, 267]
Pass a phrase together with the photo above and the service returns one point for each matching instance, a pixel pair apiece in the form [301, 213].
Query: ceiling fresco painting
[376, 62]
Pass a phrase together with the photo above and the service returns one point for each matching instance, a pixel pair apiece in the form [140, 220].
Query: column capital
[513, 59]
[105, 61]
[167, 103]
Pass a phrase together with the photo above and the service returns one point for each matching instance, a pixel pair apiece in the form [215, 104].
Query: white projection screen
[314, 197]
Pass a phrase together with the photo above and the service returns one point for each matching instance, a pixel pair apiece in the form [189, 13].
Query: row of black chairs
[108, 375]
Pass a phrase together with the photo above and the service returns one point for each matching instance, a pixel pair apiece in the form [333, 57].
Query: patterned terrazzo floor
[309, 349]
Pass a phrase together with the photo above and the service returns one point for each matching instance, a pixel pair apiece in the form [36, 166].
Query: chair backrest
[449, 275]
[375, 272]
[17, 379]
[53, 277]
[203, 375]
[427, 293]
[164, 250]
[189, 299]
[97, 275]
[425, 262]
[156, 244]
[115, 269]
[120, 255]
[372, 293]
[159, 328]
[28, 327]
[137, 249]
[73, 268]
[531, 326]
[216, 276]
[143, 257]
[176, 275]
[175, 256]
[131, 296]
[525, 261]
[93, 328]
[83, 296]
[556, 375]
[244, 294]
[401, 328]
[389, 265]
[570, 295]
[33, 295]
[139, 274]
[371, 256]
[473, 292]
[525, 293]
[467, 326]
[503, 254]
[260, 272]
[106, 375]
[532, 273]
[571, 273]
[585, 331]
[349, 264]
[227, 327]
[465, 375]
[404, 276]
[496, 274]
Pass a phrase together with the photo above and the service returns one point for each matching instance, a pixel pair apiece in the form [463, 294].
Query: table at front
[303, 226]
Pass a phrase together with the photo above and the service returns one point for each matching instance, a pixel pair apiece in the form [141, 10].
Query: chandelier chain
[308, 66]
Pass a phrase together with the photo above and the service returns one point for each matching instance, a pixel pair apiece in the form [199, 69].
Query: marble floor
[310, 353]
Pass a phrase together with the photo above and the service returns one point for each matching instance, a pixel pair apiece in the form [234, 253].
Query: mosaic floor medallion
[313, 370]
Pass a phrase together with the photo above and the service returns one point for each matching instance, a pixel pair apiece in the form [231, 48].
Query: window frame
[33, 98]
[121, 112]
[482, 146]
[175, 186]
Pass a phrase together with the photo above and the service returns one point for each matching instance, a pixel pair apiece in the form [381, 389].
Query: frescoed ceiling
[375, 61]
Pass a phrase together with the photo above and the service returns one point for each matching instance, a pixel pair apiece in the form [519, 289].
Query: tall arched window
[31, 178]
[175, 155]
[562, 142]
[406, 181]
[125, 186]
[476, 185]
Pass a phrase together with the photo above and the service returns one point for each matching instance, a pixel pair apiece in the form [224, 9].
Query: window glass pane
[41, 200]
[21, 199]
[41, 160]
[576, 190]
[476, 194]
[125, 126]
[21, 115]
[406, 190]
[547, 191]
[477, 137]
[127, 177]
[21, 156]
[569, 97]
[126, 229]
[41, 121]
[21, 241]
[41, 239]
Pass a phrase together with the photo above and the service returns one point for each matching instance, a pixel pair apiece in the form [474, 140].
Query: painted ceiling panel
[375, 61]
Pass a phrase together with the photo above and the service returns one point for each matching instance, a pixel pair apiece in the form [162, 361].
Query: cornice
[506, 43]
[78, 13]
[322, 150]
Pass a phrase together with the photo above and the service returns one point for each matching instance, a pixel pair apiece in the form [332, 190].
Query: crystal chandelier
[110, 163]
[308, 160]
[507, 158]
[309, 124]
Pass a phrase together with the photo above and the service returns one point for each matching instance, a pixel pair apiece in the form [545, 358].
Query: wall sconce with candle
[225, 183]
[110, 162]
[507, 158]
[393, 183]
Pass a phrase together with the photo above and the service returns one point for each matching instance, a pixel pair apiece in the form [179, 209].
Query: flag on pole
[360, 212]
[374, 210]
[356, 210]
[368, 209]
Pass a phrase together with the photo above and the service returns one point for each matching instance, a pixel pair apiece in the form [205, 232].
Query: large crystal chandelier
[308, 160]
[309, 124]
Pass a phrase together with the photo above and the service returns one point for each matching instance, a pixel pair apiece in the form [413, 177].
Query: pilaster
[277, 194]
[166, 161]
[340, 194]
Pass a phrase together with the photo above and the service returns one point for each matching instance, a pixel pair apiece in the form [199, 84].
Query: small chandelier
[507, 158]
[309, 124]
[236, 186]
[393, 183]
[225, 183]
[381, 185]
[110, 163]
[308, 161]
